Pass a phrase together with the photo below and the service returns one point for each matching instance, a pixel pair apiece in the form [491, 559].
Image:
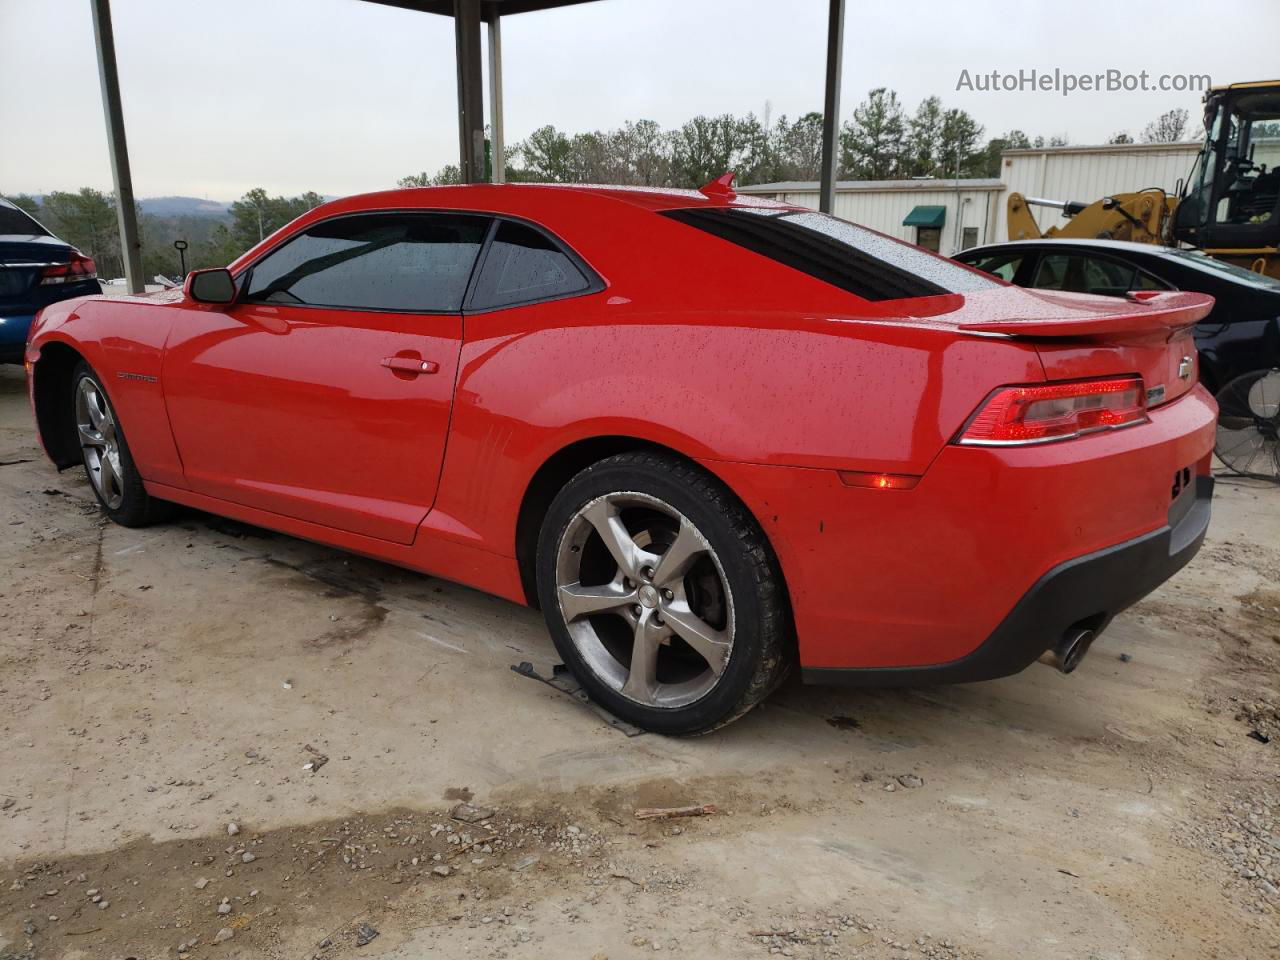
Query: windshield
[1240, 183]
[1198, 259]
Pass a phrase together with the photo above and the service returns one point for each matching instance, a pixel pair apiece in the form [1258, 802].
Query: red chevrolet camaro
[708, 435]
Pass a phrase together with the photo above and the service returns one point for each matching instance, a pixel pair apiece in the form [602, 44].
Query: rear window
[14, 221]
[524, 265]
[860, 261]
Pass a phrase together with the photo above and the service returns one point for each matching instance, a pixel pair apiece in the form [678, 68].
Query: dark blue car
[36, 269]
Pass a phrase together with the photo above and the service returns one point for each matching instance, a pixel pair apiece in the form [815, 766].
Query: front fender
[122, 339]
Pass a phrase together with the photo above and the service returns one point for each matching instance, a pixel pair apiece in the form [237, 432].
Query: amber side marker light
[878, 481]
[1042, 413]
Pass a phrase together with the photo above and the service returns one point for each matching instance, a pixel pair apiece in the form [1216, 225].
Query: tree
[871, 146]
[924, 139]
[449, 174]
[546, 154]
[756, 157]
[87, 220]
[1121, 137]
[705, 147]
[996, 146]
[257, 215]
[27, 203]
[1169, 127]
[798, 147]
[644, 152]
[959, 154]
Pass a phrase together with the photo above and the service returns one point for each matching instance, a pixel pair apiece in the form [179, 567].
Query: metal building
[1089, 172]
[951, 215]
[943, 215]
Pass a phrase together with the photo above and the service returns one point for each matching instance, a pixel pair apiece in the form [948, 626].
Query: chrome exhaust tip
[1065, 655]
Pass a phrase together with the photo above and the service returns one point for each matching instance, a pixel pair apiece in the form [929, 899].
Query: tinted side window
[407, 262]
[524, 264]
[15, 221]
[1002, 265]
[845, 255]
[1144, 281]
[1080, 274]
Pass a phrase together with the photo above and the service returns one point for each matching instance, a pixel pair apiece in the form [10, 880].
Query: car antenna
[721, 188]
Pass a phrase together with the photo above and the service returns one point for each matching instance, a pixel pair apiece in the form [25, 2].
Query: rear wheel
[1248, 439]
[107, 461]
[661, 594]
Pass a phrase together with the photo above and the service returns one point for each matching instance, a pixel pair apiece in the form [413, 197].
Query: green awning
[923, 216]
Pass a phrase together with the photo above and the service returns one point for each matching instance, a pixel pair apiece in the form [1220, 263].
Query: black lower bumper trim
[1091, 589]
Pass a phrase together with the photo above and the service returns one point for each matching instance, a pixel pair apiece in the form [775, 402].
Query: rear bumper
[13, 336]
[900, 580]
[1088, 590]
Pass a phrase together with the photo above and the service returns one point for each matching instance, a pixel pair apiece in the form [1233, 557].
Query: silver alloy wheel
[645, 599]
[100, 441]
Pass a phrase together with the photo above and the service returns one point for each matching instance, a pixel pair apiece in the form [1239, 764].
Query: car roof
[1079, 243]
[481, 194]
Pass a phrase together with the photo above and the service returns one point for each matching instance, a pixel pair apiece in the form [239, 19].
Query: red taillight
[80, 268]
[1056, 411]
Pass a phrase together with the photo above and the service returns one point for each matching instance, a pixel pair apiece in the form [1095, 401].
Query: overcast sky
[343, 96]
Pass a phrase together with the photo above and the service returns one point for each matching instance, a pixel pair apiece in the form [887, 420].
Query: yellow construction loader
[1229, 206]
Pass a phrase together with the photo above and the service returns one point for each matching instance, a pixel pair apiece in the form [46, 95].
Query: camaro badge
[135, 376]
[1185, 366]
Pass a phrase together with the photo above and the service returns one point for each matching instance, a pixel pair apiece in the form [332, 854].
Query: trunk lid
[21, 257]
[1080, 336]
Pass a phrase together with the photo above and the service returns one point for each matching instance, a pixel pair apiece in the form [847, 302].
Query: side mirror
[211, 286]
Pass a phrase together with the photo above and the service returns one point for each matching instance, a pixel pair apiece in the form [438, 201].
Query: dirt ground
[159, 686]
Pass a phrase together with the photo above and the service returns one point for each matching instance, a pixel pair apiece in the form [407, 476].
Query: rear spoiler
[1151, 312]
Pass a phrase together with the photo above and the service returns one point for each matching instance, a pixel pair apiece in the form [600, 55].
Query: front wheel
[661, 594]
[107, 461]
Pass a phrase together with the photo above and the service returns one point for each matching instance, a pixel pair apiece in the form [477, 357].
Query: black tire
[762, 637]
[136, 507]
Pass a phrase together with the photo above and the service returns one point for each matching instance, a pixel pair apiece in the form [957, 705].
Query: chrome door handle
[410, 365]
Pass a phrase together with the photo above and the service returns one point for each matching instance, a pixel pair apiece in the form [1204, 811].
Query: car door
[324, 393]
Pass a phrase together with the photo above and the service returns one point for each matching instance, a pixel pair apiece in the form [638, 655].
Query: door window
[1002, 265]
[524, 265]
[402, 262]
[1084, 274]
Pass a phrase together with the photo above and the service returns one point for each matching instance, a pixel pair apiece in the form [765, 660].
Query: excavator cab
[1231, 204]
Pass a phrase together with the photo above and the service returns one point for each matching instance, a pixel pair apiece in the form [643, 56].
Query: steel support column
[498, 148]
[466, 26]
[831, 107]
[130, 242]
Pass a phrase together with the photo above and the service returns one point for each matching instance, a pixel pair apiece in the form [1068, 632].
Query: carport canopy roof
[487, 7]
[467, 16]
